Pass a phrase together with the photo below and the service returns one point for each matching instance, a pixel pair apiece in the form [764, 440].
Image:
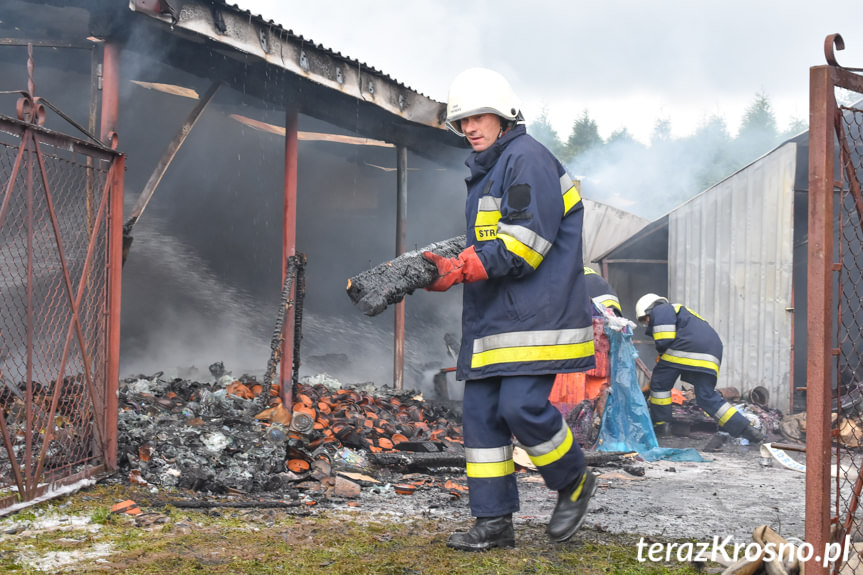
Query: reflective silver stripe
[660, 394]
[489, 204]
[488, 454]
[665, 327]
[531, 338]
[550, 445]
[528, 237]
[565, 183]
[692, 355]
[722, 409]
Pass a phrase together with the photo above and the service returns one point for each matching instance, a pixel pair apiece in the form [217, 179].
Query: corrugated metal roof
[606, 226]
[245, 33]
[291, 34]
[648, 243]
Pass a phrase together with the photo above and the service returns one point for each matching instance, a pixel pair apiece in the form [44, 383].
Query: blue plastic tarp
[626, 423]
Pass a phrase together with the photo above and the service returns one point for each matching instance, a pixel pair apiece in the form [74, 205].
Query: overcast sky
[627, 62]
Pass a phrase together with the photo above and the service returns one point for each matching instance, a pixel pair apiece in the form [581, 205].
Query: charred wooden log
[388, 283]
[455, 458]
[419, 460]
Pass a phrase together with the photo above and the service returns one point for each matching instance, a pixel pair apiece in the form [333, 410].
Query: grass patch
[273, 541]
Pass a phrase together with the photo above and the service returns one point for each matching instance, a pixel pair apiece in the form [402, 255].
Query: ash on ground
[197, 436]
[203, 436]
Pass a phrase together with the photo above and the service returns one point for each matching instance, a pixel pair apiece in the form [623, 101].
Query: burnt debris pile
[215, 437]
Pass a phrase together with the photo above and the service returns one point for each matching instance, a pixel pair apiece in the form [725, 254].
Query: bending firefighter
[526, 315]
[690, 349]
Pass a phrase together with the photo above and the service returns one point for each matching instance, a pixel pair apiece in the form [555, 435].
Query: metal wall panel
[730, 259]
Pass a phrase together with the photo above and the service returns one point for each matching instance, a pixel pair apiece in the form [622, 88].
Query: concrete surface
[728, 495]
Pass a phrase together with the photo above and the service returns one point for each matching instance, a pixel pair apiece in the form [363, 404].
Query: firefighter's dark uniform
[601, 291]
[531, 319]
[689, 348]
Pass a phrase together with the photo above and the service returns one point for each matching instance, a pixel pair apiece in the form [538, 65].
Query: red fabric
[466, 267]
[602, 365]
[570, 389]
[601, 347]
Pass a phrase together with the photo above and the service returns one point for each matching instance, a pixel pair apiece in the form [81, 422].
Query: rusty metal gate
[60, 253]
[834, 414]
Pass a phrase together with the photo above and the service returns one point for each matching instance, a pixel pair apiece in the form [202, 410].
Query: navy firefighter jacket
[524, 217]
[684, 339]
[601, 291]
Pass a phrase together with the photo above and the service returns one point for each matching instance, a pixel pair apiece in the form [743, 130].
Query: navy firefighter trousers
[497, 408]
[706, 396]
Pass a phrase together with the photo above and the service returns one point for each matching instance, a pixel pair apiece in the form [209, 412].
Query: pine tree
[584, 136]
[543, 131]
[757, 134]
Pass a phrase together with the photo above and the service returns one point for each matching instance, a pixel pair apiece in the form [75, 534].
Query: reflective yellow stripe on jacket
[552, 450]
[487, 216]
[608, 300]
[524, 242]
[677, 307]
[489, 462]
[691, 359]
[522, 346]
[665, 331]
[569, 190]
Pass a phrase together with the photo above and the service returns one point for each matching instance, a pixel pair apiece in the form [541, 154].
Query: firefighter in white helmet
[526, 314]
[690, 349]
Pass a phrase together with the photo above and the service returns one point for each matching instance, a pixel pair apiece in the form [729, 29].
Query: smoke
[177, 314]
[651, 181]
[203, 277]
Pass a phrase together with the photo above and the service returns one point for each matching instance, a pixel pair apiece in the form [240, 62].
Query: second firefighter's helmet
[645, 303]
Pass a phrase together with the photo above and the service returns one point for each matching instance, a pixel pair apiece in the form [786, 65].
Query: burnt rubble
[205, 437]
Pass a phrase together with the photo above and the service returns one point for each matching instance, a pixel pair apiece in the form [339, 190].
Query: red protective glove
[466, 267]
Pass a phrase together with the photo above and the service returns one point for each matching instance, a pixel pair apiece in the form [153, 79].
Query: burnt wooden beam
[388, 283]
[455, 458]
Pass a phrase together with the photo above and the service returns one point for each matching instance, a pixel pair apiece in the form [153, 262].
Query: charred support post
[401, 224]
[289, 248]
[819, 375]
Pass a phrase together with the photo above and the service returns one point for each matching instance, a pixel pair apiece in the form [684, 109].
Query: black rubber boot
[752, 434]
[571, 508]
[719, 439]
[487, 533]
[662, 429]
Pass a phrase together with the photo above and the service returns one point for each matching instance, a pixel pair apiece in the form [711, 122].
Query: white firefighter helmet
[480, 91]
[646, 302]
